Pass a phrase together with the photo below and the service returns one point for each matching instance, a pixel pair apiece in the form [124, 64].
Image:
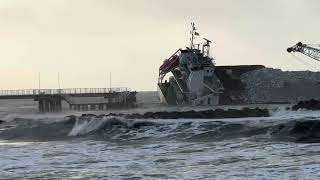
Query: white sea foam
[89, 124]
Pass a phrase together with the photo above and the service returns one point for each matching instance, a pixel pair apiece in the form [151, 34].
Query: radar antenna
[206, 47]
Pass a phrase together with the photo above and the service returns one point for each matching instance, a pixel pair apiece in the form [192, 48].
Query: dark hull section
[230, 78]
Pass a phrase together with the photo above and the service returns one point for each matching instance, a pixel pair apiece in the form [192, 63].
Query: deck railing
[68, 91]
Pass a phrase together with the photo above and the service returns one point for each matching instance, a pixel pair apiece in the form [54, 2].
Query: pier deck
[50, 99]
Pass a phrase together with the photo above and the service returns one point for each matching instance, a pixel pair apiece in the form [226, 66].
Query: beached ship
[195, 80]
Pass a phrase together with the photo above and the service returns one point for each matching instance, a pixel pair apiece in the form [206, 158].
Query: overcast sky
[84, 40]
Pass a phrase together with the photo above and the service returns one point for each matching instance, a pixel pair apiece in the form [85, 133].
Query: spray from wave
[86, 125]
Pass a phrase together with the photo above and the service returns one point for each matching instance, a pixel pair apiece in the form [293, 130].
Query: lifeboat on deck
[169, 64]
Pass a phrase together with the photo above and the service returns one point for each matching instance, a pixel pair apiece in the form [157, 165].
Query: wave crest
[115, 128]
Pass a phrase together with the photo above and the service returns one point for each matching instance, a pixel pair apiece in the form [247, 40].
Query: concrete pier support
[46, 105]
[52, 104]
[49, 104]
[41, 105]
[58, 105]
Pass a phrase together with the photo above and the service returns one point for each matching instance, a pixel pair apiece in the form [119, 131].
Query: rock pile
[273, 85]
[208, 114]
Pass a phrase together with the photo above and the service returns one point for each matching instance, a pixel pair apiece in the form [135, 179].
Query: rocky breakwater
[269, 85]
[208, 114]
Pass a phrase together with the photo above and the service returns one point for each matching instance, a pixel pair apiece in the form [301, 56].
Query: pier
[50, 100]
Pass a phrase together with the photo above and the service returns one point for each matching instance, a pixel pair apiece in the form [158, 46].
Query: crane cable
[308, 65]
[305, 63]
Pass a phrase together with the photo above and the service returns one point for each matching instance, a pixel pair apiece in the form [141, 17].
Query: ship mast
[205, 46]
[193, 33]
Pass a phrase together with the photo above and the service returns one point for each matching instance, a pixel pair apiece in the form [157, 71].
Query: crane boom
[306, 49]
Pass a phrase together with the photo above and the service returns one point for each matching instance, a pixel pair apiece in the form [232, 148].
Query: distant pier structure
[50, 100]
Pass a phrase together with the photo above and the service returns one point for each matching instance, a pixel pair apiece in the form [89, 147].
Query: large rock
[309, 105]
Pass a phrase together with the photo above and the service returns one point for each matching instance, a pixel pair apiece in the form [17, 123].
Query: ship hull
[161, 95]
[167, 95]
[229, 76]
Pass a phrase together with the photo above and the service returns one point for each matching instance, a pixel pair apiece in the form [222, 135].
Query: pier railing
[68, 91]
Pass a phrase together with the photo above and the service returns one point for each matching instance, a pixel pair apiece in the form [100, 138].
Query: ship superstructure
[193, 80]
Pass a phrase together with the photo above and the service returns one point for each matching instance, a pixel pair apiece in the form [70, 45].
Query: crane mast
[306, 49]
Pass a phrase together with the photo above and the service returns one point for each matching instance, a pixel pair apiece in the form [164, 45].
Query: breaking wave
[119, 129]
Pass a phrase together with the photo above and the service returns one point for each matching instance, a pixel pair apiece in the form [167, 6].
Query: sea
[50, 146]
